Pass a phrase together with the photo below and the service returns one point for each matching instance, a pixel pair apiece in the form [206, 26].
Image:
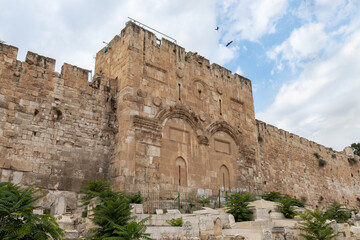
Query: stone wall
[56, 130]
[153, 118]
[178, 115]
[290, 165]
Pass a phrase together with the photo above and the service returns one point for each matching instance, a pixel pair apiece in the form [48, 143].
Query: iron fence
[185, 202]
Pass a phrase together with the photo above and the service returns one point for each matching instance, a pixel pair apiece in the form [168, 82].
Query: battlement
[8, 53]
[160, 53]
[74, 76]
[267, 130]
[40, 61]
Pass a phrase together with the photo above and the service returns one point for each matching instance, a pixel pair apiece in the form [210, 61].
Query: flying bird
[217, 28]
[228, 43]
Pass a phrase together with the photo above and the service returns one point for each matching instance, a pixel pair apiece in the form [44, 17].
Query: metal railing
[183, 201]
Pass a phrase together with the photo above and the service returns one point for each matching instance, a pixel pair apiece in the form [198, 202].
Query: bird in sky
[217, 28]
[228, 43]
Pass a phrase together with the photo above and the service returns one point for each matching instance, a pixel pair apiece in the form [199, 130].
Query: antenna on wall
[145, 26]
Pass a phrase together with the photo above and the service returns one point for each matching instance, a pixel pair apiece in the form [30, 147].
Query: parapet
[289, 137]
[40, 61]
[163, 58]
[8, 53]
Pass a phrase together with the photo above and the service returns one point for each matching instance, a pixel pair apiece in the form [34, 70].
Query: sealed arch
[181, 171]
[181, 113]
[222, 126]
[224, 177]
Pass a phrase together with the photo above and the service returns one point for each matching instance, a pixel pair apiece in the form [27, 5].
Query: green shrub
[84, 214]
[277, 197]
[133, 230]
[135, 198]
[322, 162]
[100, 189]
[272, 196]
[352, 161]
[317, 155]
[286, 207]
[338, 212]
[238, 206]
[314, 226]
[175, 222]
[17, 220]
[296, 202]
[112, 215]
[204, 201]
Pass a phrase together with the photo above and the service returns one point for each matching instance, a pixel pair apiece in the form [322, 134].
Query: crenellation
[74, 76]
[40, 61]
[8, 54]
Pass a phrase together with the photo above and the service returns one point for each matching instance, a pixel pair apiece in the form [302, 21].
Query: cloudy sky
[303, 56]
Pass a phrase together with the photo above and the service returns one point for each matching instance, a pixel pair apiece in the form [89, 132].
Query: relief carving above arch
[188, 116]
[222, 126]
[158, 122]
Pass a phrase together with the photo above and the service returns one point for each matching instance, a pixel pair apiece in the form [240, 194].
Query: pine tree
[17, 220]
[112, 215]
[314, 226]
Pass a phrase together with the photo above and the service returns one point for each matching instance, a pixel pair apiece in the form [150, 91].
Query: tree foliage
[315, 227]
[286, 207]
[133, 230]
[277, 197]
[112, 214]
[356, 148]
[17, 220]
[175, 222]
[135, 198]
[338, 212]
[238, 205]
[272, 196]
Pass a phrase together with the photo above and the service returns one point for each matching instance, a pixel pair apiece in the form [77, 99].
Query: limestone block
[137, 208]
[217, 227]
[59, 206]
[347, 230]
[276, 215]
[355, 230]
[173, 211]
[38, 211]
[159, 211]
[231, 220]
[17, 177]
[5, 175]
[22, 165]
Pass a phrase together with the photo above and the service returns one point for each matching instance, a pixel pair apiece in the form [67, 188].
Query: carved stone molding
[222, 126]
[181, 112]
[199, 89]
[146, 123]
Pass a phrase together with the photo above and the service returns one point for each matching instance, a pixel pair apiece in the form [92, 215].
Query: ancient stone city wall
[56, 130]
[154, 118]
[289, 165]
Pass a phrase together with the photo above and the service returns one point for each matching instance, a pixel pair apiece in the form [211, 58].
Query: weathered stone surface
[154, 118]
[217, 227]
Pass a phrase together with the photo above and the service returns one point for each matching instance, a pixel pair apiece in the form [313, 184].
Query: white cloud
[79, 27]
[322, 104]
[250, 19]
[304, 44]
[329, 12]
[239, 71]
